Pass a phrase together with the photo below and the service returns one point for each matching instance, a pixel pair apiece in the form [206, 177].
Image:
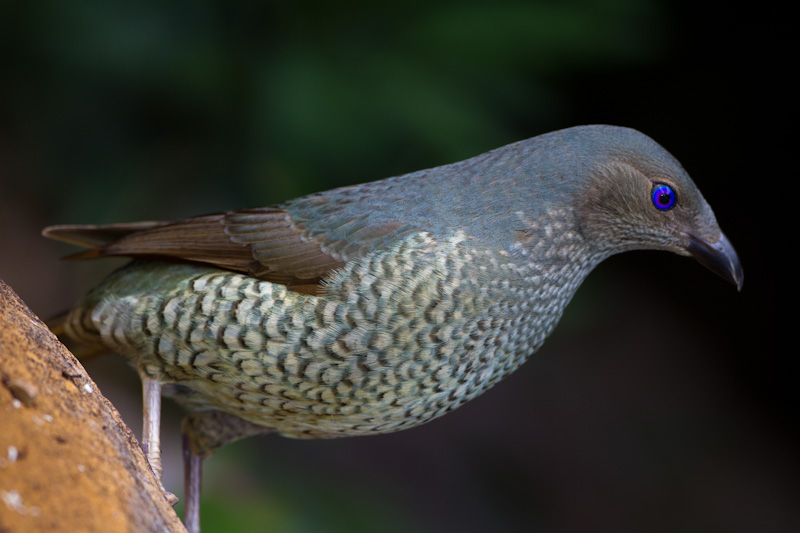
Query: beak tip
[719, 257]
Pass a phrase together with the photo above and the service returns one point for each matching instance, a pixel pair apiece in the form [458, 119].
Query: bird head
[639, 197]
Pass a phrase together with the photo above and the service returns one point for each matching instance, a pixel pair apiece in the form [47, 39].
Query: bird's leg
[203, 433]
[192, 483]
[151, 430]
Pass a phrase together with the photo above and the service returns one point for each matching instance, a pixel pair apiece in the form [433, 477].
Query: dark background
[664, 401]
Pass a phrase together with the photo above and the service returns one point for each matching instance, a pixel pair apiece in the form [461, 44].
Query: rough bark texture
[67, 461]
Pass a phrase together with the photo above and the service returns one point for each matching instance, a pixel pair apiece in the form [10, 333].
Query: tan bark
[67, 461]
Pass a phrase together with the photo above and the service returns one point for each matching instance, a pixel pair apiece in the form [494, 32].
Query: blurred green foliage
[290, 503]
[148, 109]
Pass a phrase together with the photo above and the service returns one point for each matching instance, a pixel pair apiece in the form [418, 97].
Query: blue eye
[663, 197]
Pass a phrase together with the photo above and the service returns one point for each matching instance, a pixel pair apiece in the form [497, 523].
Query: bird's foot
[171, 498]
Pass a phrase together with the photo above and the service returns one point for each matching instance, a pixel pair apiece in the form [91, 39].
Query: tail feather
[82, 349]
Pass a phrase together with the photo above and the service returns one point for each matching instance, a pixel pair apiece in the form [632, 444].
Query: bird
[378, 307]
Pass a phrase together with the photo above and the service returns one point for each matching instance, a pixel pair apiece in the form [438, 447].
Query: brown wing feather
[200, 239]
[264, 243]
[96, 236]
[279, 244]
[296, 244]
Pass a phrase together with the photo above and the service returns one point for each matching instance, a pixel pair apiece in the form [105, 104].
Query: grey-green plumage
[377, 307]
[397, 339]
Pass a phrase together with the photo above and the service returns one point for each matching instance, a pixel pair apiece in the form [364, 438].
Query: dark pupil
[664, 198]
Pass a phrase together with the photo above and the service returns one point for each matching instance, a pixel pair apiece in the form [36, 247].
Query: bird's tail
[62, 326]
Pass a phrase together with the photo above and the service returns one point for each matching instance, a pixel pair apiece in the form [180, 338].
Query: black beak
[719, 257]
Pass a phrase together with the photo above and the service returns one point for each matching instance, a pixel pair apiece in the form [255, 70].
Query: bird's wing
[296, 244]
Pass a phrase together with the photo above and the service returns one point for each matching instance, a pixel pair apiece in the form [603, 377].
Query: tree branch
[67, 460]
